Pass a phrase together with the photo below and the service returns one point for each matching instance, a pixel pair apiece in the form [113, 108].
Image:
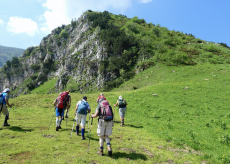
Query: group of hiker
[103, 111]
[62, 103]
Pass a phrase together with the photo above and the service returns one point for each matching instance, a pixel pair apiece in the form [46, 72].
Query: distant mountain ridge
[7, 53]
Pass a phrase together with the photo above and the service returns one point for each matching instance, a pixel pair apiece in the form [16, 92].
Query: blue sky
[23, 23]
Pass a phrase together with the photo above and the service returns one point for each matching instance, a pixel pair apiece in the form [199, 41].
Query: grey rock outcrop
[73, 59]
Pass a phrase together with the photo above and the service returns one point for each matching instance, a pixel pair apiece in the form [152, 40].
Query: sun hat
[120, 97]
[6, 90]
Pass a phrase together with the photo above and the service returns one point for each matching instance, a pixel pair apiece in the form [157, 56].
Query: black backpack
[121, 103]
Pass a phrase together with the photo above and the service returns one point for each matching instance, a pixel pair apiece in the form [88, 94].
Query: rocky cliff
[71, 53]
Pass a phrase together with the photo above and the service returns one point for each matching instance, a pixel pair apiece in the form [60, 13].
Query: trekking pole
[72, 128]
[90, 134]
[88, 125]
[51, 119]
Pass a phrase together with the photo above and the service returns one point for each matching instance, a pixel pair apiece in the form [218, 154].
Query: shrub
[35, 67]
[64, 33]
[137, 20]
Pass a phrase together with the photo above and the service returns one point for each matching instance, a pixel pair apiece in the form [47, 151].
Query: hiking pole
[90, 134]
[51, 119]
[72, 128]
[88, 125]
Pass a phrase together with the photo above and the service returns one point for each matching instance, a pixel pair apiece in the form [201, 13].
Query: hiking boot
[110, 153]
[6, 124]
[62, 118]
[57, 128]
[100, 152]
[83, 138]
[109, 150]
[77, 134]
[66, 116]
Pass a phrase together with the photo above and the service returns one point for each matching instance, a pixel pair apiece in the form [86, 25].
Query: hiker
[121, 103]
[60, 104]
[105, 125]
[5, 100]
[82, 108]
[101, 97]
[67, 109]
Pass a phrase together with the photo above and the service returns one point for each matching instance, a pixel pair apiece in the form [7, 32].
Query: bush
[64, 33]
[35, 67]
[137, 20]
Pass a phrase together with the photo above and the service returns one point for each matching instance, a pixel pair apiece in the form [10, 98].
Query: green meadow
[176, 114]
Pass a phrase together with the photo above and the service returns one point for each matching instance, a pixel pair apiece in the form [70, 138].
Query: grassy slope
[176, 118]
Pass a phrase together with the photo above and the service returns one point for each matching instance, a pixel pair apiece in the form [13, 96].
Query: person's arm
[126, 102]
[8, 103]
[95, 115]
[76, 109]
[88, 110]
[116, 103]
[55, 102]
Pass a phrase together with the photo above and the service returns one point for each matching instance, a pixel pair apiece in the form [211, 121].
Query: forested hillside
[7, 53]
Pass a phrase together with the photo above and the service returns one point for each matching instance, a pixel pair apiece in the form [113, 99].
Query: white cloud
[62, 11]
[19, 25]
[1, 22]
[145, 1]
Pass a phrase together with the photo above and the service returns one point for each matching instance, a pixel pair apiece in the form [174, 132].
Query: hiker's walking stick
[51, 119]
[72, 128]
[88, 125]
[90, 134]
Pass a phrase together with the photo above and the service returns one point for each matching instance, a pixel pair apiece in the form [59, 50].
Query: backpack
[106, 112]
[1, 98]
[62, 100]
[121, 103]
[82, 108]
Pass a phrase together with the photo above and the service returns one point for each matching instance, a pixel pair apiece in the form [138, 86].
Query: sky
[23, 23]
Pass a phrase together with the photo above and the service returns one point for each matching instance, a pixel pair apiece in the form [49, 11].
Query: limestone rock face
[71, 58]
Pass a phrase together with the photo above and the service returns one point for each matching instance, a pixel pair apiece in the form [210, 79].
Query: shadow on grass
[19, 129]
[131, 156]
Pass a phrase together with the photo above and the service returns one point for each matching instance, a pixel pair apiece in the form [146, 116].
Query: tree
[15, 62]
[8, 63]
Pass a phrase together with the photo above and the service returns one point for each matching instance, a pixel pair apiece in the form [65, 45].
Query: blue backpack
[82, 108]
[1, 98]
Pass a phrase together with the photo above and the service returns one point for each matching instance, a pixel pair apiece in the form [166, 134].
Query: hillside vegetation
[178, 113]
[7, 53]
[102, 50]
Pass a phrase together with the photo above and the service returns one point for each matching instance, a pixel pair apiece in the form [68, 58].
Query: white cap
[101, 94]
[6, 90]
[120, 97]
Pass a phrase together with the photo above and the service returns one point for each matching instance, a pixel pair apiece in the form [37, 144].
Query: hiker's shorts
[4, 109]
[104, 128]
[59, 112]
[122, 112]
[80, 118]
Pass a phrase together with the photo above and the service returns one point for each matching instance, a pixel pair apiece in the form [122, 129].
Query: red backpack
[106, 112]
[62, 100]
